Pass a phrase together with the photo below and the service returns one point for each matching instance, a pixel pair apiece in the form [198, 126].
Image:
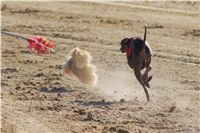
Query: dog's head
[124, 44]
[138, 45]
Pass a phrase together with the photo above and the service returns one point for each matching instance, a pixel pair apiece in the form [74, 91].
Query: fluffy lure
[78, 64]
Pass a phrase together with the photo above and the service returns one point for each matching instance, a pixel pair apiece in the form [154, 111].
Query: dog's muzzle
[122, 50]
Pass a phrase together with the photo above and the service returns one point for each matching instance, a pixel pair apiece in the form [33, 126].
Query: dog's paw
[149, 79]
[147, 84]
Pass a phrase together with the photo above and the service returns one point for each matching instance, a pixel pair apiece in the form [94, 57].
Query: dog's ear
[125, 42]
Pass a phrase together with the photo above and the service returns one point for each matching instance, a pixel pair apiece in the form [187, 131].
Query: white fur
[147, 44]
[78, 63]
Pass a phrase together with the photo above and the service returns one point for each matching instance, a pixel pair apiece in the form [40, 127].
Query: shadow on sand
[93, 103]
[56, 90]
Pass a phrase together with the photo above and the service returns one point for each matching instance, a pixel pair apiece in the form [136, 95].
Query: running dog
[139, 56]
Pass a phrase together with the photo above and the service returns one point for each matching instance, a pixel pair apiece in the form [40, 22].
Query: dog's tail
[145, 32]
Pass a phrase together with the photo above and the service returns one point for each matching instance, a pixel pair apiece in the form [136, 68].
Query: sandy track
[37, 97]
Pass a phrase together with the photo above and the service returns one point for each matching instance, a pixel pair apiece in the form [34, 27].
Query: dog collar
[129, 52]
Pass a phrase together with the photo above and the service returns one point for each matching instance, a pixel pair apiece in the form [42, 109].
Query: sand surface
[37, 97]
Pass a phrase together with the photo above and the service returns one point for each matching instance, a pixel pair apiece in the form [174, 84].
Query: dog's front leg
[139, 78]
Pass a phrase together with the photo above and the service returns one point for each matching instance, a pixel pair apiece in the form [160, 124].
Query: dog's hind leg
[139, 78]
